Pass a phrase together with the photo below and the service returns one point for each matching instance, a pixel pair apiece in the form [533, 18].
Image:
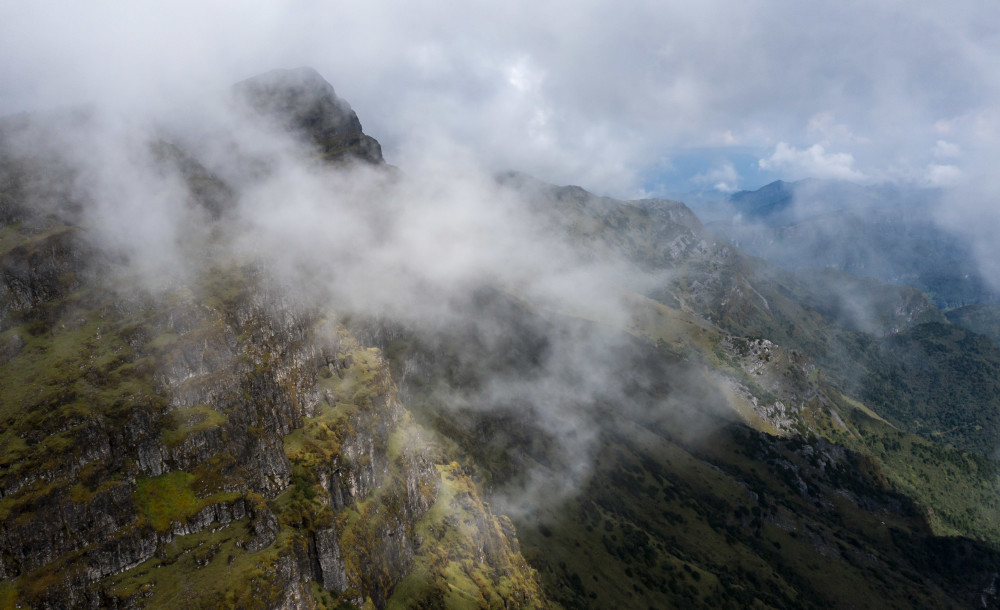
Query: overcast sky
[627, 99]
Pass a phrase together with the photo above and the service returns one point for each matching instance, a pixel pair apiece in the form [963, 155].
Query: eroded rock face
[225, 387]
[211, 425]
[39, 271]
[331, 563]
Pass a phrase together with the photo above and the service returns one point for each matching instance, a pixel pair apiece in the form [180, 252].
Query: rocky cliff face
[214, 442]
[245, 422]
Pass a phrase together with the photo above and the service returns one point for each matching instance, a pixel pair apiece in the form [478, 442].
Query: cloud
[723, 178]
[811, 162]
[946, 150]
[825, 126]
[939, 175]
[585, 93]
[418, 247]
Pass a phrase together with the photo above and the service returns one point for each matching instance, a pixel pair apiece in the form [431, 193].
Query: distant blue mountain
[886, 232]
[768, 201]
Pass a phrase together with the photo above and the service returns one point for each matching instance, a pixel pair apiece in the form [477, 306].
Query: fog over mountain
[253, 354]
[860, 91]
[629, 101]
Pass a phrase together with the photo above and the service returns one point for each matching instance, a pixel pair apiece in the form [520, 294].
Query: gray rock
[301, 101]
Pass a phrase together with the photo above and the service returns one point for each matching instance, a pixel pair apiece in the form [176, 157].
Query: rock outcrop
[300, 100]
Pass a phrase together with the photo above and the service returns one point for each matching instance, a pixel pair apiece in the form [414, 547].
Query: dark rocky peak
[769, 200]
[301, 101]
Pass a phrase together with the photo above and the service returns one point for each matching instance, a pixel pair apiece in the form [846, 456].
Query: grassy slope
[954, 487]
[939, 381]
[671, 521]
[671, 526]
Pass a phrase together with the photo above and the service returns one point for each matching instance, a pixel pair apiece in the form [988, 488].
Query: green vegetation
[939, 381]
[30, 238]
[739, 520]
[8, 595]
[209, 569]
[184, 421]
[956, 490]
[670, 518]
[74, 369]
[169, 499]
[447, 568]
[449, 571]
[982, 319]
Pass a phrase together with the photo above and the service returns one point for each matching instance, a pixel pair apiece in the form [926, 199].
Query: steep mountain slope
[856, 329]
[213, 442]
[290, 376]
[680, 505]
[660, 414]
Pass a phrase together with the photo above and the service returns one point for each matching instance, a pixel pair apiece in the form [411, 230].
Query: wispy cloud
[814, 161]
[722, 178]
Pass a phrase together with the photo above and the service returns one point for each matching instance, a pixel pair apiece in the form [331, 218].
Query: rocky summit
[301, 101]
[263, 378]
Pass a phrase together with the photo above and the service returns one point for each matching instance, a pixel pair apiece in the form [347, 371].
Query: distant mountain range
[885, 232]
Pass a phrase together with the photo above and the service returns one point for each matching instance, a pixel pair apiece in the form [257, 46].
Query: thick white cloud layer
[595, 93]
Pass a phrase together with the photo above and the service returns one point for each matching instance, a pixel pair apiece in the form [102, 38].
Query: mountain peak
[302, 101]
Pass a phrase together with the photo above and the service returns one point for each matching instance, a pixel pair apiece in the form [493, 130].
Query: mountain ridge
[672, 425]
